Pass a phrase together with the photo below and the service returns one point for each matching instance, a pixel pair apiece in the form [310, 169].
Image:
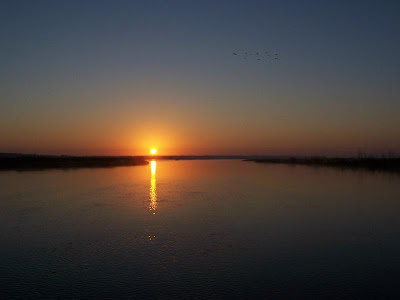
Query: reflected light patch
[153, 188]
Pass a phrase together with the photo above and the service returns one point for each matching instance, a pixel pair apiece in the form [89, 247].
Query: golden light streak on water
[153, 188]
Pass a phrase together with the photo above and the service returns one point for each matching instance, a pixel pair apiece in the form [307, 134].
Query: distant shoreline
[20, 161]
[385, 164]
[17, 161]
[38, 162]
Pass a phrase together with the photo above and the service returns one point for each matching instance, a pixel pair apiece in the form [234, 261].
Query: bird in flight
[259, 56]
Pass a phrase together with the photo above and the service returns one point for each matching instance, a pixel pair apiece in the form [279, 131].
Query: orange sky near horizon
[212, 132]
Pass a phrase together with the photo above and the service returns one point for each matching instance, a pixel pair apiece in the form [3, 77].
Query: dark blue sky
[115, 76]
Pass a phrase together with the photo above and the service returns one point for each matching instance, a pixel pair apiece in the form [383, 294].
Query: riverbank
[387, 164]
[36, 162]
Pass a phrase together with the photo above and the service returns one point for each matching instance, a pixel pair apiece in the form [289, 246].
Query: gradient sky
[119, 77]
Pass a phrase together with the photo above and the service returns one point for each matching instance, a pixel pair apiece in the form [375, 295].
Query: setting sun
[153, 151]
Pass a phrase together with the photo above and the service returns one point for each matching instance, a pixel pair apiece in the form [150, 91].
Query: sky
[119, 77]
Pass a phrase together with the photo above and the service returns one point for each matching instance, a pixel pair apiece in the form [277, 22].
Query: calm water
[196, 229]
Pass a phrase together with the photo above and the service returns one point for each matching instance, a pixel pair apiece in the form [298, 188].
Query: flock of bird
[257, 55]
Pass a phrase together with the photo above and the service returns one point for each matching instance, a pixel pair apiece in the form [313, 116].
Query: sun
[153, 151]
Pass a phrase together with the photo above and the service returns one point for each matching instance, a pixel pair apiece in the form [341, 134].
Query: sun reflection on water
[153, 188]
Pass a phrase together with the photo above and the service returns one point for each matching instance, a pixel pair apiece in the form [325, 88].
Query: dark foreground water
[199, 229]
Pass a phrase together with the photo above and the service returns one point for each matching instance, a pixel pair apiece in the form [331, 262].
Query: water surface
[196, 229]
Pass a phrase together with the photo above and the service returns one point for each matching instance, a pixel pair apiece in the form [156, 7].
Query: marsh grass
[35, 162]
[387, 163]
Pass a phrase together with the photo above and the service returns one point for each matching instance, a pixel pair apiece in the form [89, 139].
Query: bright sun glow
[153, 151]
